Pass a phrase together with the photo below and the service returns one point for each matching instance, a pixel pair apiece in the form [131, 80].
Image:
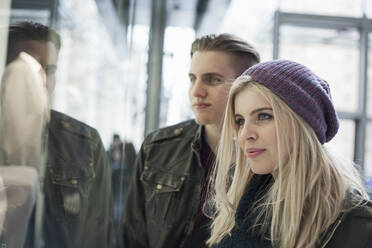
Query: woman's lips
[254, 152]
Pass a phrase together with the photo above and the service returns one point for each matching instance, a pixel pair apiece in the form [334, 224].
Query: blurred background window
[120, 75]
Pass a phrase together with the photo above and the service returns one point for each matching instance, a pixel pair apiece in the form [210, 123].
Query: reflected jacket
[164, 192]
[78, 200]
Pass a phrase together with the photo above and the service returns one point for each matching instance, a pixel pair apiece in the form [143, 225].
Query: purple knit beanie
[304, 92]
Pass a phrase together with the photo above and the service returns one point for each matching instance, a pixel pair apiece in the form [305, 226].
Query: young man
[77, 185]
[167, 193]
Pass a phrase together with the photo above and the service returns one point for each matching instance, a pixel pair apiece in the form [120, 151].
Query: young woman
[275, 184]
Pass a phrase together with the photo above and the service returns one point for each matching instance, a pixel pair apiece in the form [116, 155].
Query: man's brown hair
[245, 54]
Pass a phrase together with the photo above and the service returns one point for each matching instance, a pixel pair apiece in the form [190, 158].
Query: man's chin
[202, 121]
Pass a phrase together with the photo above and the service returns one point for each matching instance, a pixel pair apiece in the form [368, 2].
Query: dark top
[78, 200]
[201, 231]
[164, 194]
[243, 234]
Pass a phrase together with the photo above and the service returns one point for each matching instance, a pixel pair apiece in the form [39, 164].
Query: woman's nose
[249, 132]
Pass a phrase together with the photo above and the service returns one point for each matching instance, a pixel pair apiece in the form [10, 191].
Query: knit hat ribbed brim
[302, 90]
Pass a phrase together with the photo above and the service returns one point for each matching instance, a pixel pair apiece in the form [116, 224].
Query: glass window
[343, 143]
[369, 78]
[175, 106]
[255, 27]
[368, 8]
[368, 152]
[332, 54]
[4, 21]
[368, 159]
[88, 150]
[321, 7]
[99, 80]
[36, 15]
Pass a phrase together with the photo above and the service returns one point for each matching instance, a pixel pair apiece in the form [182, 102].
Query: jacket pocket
[71, 187]
[162, 193]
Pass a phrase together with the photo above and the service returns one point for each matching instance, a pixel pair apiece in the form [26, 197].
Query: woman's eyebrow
[260, 109]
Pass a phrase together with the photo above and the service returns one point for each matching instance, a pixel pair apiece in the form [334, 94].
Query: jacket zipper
[191, 226]
[332, 233]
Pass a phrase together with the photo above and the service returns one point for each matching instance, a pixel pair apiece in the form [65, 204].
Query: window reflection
[100, 90]
[97, 75]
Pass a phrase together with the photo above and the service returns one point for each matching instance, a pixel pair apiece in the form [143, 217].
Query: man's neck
[212, 136]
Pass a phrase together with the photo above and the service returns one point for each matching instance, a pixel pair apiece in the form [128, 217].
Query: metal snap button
[178, 131]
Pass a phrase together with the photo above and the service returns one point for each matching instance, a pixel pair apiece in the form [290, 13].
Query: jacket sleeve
[134, 233]
[99, 224]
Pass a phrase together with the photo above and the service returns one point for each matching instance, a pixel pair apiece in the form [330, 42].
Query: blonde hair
[309, 189]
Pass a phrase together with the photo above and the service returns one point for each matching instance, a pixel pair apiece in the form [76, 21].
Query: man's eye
[216, 80]
[264, 116]
[213, 80]
[239, 121]
[192, 80]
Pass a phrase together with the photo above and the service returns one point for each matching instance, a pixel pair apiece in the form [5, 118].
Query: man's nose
[199, 89]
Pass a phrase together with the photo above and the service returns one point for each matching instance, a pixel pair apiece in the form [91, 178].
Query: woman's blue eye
[264, 116]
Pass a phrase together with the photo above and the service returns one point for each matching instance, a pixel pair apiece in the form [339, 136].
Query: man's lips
[201, 105]
[254, 152]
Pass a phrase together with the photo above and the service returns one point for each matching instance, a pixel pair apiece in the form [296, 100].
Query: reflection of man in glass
[166, 196]
[77, 183]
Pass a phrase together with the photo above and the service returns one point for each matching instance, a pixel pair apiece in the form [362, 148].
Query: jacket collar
[196, 143]
[352, 201]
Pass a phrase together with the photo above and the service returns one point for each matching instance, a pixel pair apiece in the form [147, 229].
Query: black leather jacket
[164, 193]
[78, 200]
